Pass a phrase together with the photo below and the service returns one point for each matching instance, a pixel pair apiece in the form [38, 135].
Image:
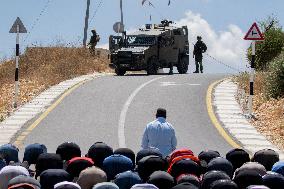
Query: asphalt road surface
[116, 109]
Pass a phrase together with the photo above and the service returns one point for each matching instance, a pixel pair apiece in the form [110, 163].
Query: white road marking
[193, 84]
[122, 117]
[169, 83]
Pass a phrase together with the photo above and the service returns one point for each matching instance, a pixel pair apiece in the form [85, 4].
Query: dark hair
[161, 112]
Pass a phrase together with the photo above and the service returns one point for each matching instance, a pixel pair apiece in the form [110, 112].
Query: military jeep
[151, 48]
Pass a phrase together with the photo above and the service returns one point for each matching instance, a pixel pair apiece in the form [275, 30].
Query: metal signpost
[18, 27]
[254, 35]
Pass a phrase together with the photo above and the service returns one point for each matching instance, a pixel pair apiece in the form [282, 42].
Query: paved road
[116, 109]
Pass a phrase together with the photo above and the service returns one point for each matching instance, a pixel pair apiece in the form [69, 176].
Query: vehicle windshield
[140, 40]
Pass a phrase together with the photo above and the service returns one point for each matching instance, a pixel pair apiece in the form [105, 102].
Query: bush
[275, 78]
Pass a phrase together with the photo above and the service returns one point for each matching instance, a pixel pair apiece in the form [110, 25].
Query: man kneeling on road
[160, 134]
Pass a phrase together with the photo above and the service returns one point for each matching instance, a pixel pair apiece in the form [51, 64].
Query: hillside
[42, 67]
[268, 111]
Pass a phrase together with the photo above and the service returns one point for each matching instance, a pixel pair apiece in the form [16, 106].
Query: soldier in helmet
[95, 38]
[199, 48]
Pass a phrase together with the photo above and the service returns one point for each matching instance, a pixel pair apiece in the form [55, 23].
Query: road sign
[18, 27]
[118, 27]
[18, 23]
[254, 33]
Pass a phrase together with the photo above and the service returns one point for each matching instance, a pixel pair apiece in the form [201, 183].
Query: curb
[231, 117]
[11, 125]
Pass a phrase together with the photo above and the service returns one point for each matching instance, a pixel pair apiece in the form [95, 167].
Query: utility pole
[121, 18]
[86, 23]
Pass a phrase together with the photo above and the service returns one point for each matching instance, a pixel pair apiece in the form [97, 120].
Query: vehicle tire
[182, 66]
[152, 68]
[120, 71]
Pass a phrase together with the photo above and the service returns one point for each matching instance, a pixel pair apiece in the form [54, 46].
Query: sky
[221, 23]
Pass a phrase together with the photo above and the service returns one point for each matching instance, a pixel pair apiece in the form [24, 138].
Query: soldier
[95, 38]
[199, 48]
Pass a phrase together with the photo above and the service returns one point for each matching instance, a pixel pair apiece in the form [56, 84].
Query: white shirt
[161, 135]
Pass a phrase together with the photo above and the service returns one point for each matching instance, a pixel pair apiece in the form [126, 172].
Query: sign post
[18, 27]
[254, 35]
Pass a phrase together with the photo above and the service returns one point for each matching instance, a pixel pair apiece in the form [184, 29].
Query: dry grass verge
[42, 67]
[269, 112]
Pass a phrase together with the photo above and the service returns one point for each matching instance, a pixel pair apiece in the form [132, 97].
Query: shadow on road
[144, 74]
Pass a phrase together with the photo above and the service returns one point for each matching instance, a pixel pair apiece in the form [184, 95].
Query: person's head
[278, 167]
[22, 179]
[273, 180]
[48, 161]
[266, 157]
[221, 164]
[105, 185]
[127, 153]
[98, 152]
[205, 157]
[66, 185]
[211, 176]
[90, 177]
[161, 179]
[223, 184]
[199, 38]
[78, 164]
[9, 172]
[127, 179]
[144, 186]
[68, 150]
[184, 166]
[237, 157]
[189, 178]
[161, 112]
[9, 152]
[254, 166]
[51, 177]
[116, 164]
[149, 164]
[33, 151]
[245, 178]
[147, 152]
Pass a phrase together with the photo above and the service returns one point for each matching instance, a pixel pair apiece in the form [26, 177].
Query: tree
[271, 47]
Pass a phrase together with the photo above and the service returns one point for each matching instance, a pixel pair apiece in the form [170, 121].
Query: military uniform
[95, 38]
[199, 48]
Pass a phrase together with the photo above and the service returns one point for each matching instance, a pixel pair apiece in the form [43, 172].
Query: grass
[269, 112]
[259, 86]
[42, 67]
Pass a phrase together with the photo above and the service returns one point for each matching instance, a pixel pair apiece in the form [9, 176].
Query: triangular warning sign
[254, 33]
[22, 28]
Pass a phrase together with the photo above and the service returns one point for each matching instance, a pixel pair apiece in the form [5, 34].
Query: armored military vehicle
[150, 48]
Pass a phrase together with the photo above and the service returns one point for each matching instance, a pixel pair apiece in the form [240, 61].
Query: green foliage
[271, 47]
[275, 78]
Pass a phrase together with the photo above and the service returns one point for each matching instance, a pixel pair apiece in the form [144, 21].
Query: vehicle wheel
[182, 66]
[152, 68]
[120, 71]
